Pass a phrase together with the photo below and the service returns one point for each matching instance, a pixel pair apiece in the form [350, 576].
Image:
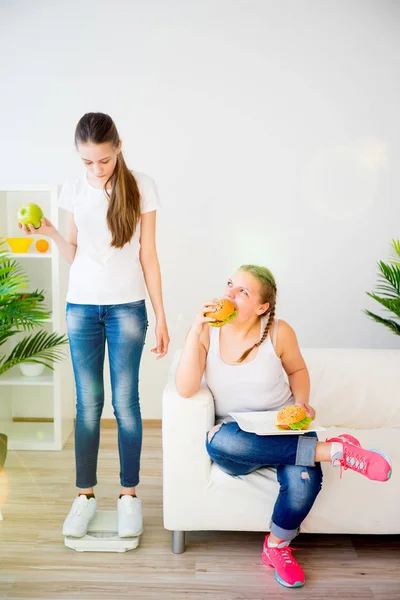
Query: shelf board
[25, 187]
[28, 436]
[30, 254]
[16, 378]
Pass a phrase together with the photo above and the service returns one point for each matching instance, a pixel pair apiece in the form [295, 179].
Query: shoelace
[285, 554]
[352, 460]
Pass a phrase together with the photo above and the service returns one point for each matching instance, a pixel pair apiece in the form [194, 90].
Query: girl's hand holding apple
[46, 228]
[31, 220]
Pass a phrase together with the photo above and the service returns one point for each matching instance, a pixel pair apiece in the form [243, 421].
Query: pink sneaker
[288, 572]
[374, 464]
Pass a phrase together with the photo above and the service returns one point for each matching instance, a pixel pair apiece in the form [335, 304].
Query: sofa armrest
[186, 464]
[185, 422]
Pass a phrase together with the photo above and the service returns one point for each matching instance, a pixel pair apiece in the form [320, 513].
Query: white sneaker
[79, 517]
[130, 519]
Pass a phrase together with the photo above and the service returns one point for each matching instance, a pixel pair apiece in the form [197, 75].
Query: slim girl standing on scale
[110, 244]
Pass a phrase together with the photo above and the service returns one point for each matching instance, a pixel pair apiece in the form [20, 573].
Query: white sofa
[352, 390]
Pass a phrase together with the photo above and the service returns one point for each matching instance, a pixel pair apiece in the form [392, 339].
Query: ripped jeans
[238, 453]
[124, 326]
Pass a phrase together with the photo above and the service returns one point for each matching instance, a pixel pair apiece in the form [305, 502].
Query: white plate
[263, 423]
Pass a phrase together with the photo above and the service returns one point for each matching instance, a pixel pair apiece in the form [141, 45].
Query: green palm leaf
[23, 311]
[392, 325]
[389, 278]
[12, 277]
[42, 347]
[396, 255]
[392, 304]
[4, 335]
[389, 291]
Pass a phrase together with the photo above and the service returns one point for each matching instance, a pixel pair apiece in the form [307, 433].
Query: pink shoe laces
[351, 459]
[284, 553]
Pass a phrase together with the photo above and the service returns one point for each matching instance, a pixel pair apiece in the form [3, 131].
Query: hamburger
[224, 312]
[292, 417]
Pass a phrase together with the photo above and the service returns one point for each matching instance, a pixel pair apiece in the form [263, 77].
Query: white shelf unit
[37, 413]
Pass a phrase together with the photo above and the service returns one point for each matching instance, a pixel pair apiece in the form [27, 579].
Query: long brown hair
[267, 294]
[123, 212]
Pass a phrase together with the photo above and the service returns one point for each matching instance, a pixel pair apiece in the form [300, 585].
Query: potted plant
[388, 290]
[23, 311]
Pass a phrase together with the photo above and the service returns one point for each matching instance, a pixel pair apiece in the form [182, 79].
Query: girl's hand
[162, 339]
[200, 319]
[46, 228]
[308, 408]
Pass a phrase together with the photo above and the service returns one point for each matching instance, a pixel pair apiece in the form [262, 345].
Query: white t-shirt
[100, 273]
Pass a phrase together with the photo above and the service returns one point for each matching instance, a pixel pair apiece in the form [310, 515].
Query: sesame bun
[292, 417]
[225, 312]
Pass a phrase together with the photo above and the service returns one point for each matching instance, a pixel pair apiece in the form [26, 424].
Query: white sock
[272, 545]
[336, 452]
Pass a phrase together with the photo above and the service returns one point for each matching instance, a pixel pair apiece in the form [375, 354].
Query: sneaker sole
[131, 535]
[288, 585]
[266, 561]
[74, 535]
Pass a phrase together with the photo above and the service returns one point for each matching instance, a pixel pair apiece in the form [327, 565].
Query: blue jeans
[238, 453]
[124, 326]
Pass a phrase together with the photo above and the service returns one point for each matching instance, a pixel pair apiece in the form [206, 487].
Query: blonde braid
[264, 335]
[267, 327]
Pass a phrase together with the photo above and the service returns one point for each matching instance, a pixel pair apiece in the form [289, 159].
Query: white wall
[271, 128]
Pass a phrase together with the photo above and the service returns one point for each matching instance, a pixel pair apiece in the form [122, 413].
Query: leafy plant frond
[4, 335]
[396, 247]
[391, 304]
[23, 311]
[388, 291]
[392, 325]
[12, 277]
[42, 347]
[389, 277]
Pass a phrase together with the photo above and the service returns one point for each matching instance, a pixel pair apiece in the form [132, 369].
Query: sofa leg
[178, 542]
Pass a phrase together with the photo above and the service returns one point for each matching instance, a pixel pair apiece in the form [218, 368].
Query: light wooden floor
[35, 564]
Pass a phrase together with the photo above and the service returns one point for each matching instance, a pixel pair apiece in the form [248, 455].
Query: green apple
[30, 214]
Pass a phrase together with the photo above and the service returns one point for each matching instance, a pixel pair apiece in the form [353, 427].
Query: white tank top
[253, 386]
